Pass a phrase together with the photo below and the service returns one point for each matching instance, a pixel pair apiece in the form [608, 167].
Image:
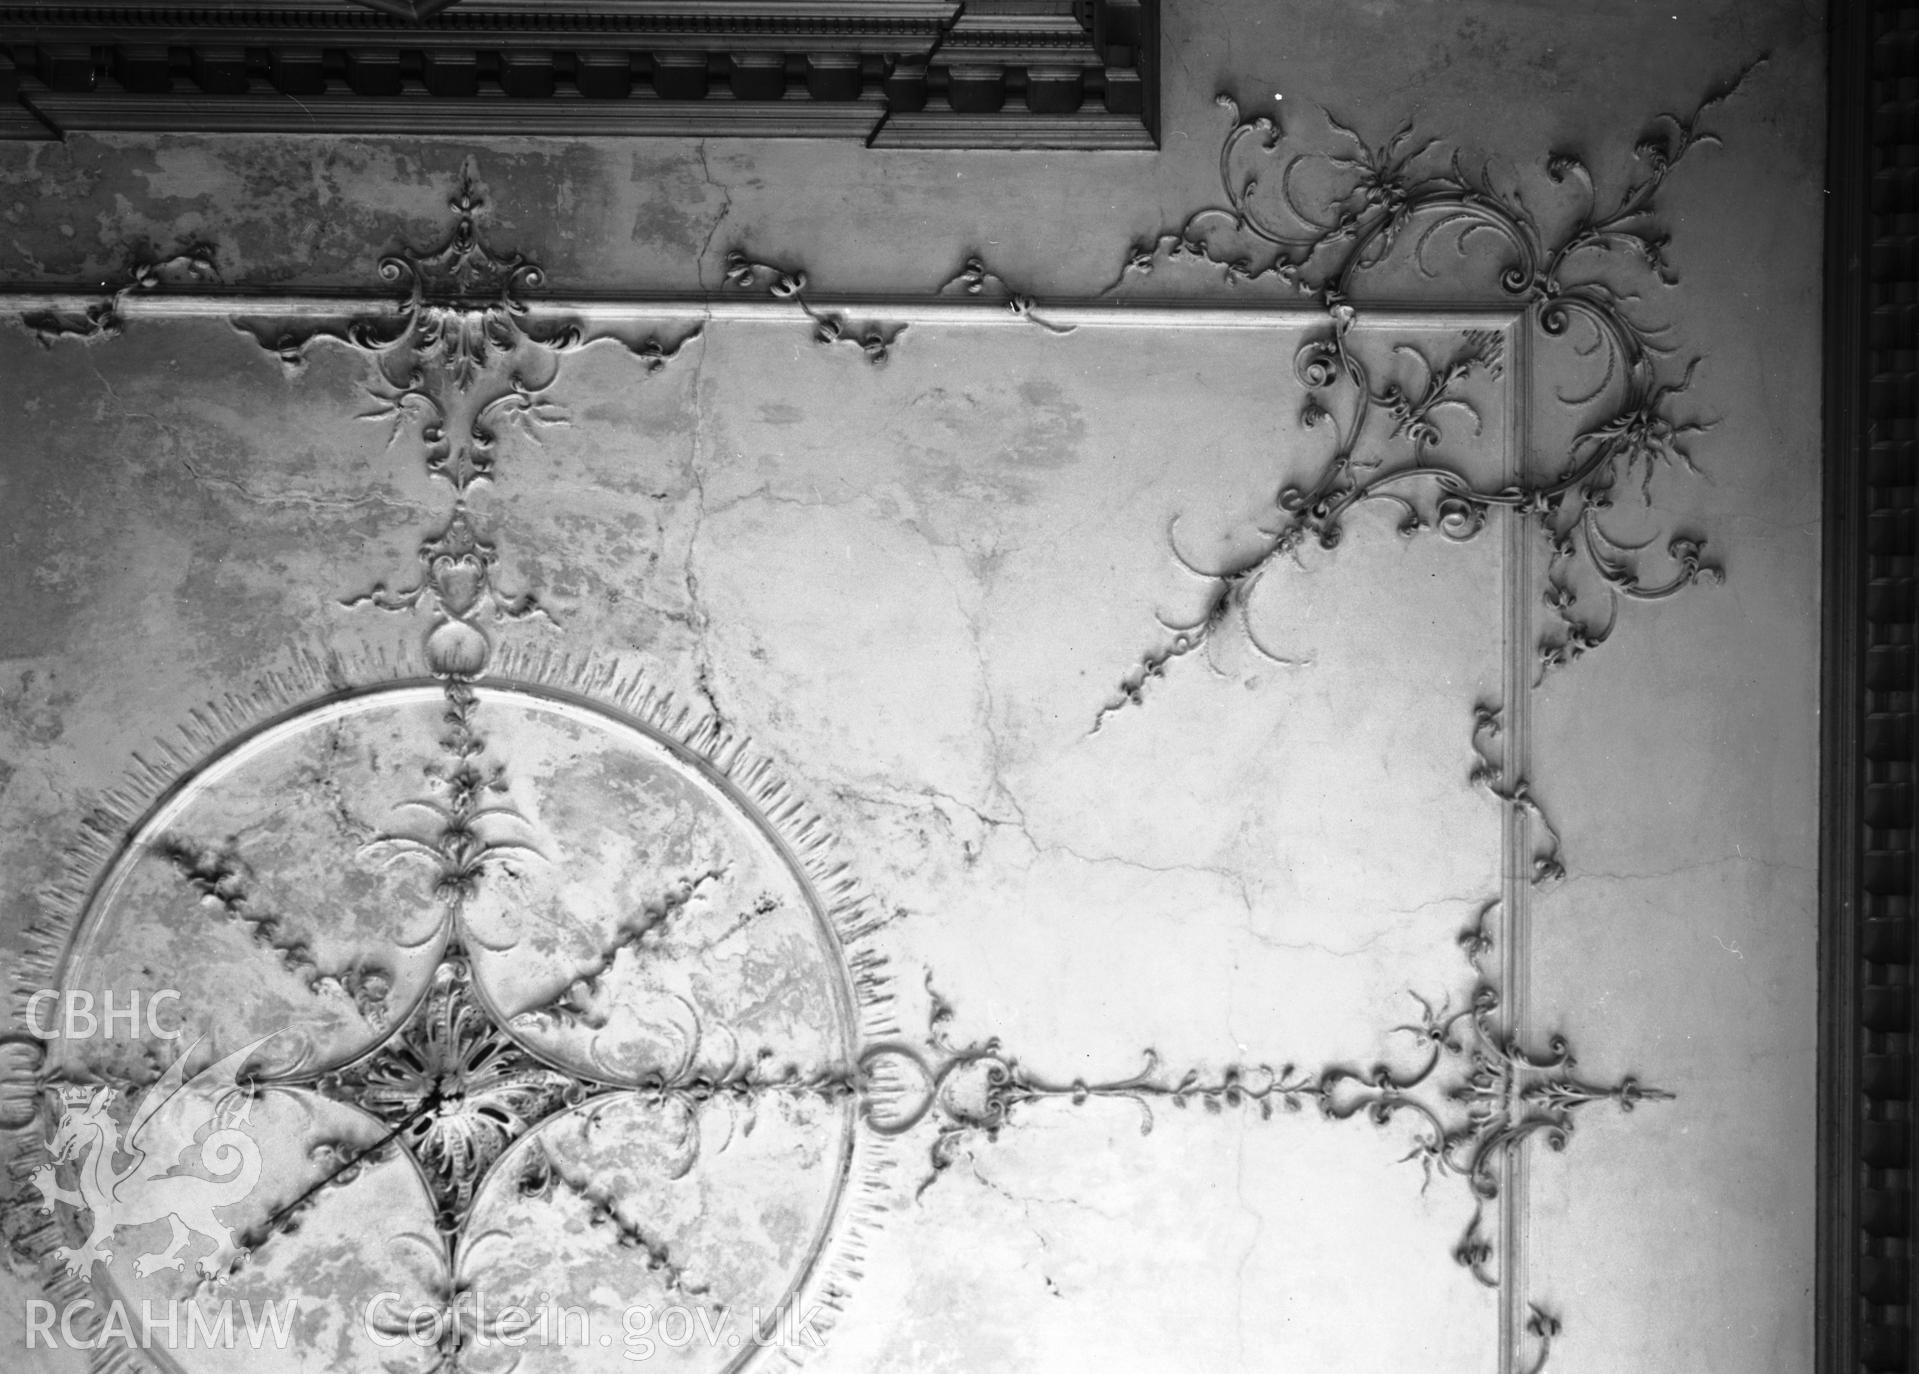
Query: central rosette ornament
[552, 1019]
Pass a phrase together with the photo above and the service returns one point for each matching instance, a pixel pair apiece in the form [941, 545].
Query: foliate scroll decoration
[225, 886]
[462, 307]
[1325, 220]
[1396, 413]
[976, 279]
[1544, 1328]
[1470, 1087]
[458, 1098]
[1490, 771]
[873, 338]
[405, 1042]
[486, 1067]
[460, 360]
[1472, 1092]
[453, 1089]
[103, 319]
[455, 584]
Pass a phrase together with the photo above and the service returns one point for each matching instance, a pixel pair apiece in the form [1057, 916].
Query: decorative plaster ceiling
[563, 985]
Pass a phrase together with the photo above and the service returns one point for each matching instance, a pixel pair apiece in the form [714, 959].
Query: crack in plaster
[987, 710]
[697, 619]
[1027, 1202]
[306, 500]
[1691, 866]
[324, 781]
[303, 499]
[726, 208]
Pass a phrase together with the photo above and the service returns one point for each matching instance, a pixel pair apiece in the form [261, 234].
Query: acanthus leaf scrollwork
[1475, 1095]
[1367, 203]
[460, 357]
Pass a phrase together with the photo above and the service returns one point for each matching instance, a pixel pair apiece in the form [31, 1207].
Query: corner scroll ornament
[1330, 221]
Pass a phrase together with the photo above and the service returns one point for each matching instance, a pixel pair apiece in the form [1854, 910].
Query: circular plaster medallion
[510, 1006]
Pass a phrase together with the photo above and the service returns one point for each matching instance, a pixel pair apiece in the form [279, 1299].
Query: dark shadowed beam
[414, 10]
[1867, 1275]
[1840, 1104]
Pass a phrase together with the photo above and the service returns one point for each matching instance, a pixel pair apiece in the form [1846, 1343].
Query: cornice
[1037, 73]
[1867, 1140]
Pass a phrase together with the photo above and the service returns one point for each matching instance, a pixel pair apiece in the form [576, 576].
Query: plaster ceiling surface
[1250, 811]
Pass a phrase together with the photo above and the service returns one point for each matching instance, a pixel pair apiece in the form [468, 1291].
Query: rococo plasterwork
[703, 1082]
